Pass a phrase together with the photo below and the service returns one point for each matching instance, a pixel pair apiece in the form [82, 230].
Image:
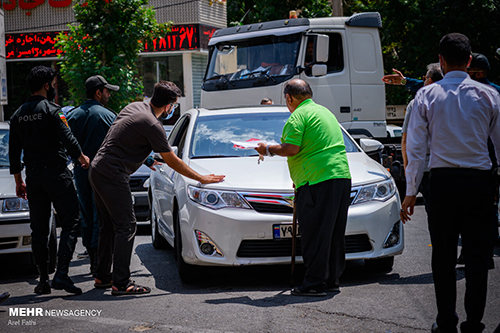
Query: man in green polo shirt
[313, 142]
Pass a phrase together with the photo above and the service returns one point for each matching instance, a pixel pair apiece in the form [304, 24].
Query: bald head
[296, 91]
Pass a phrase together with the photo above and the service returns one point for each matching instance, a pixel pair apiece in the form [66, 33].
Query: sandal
[102, 284]
[130, 289]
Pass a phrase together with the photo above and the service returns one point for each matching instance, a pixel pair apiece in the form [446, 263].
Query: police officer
[40, 131]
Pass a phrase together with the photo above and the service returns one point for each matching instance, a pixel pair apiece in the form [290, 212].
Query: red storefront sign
[41, 44]
[30, 4]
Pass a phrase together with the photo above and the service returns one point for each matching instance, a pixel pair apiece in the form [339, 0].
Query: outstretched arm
[179, 166]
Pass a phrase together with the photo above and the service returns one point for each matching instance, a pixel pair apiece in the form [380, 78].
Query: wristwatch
[268, 153]
[403, 81]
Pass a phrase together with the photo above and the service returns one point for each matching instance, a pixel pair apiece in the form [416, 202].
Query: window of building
[154, 69]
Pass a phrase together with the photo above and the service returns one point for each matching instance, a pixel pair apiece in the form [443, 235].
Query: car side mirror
[370, 145]
[319, 70]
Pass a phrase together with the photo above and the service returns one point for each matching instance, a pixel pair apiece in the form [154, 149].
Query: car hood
[7, 184]
[245, 174]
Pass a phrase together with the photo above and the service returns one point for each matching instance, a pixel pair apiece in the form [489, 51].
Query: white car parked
[246, 219]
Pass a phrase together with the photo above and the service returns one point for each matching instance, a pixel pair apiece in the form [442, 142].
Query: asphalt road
[249, 299]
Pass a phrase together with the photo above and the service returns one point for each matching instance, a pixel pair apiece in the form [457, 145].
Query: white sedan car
[246, 219]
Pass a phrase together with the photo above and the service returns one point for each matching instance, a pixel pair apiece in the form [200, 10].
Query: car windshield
[4, 148]
[228, 135]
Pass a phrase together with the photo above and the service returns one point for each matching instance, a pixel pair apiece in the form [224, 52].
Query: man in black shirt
[39, 130]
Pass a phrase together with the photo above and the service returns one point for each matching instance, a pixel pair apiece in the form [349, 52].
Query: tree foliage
[412, 30]
[251, 11]
[107, 41]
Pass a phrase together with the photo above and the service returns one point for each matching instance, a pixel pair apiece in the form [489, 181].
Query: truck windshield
[246, 63]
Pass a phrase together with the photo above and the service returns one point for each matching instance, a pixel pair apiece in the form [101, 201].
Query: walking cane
[294, 238]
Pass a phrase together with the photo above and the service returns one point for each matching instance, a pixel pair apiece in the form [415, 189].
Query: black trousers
[460, 204]
[113, 200]
[322, 217]
[46, 186]
[88, 218]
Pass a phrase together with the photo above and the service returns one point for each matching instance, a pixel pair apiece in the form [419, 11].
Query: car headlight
[216, 199]
[15, 205]
[379, 191]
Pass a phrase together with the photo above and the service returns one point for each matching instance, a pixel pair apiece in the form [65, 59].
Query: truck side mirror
[319, 70]
[321, 48]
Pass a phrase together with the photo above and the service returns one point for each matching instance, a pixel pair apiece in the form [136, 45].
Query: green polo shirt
[322, 154]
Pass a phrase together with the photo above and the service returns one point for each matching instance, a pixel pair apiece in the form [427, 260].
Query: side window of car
[180, 137]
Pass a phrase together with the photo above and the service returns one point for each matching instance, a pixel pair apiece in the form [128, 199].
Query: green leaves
[107, 41]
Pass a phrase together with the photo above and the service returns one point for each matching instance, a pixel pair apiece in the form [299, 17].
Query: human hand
[84, 161]
[207, 179]
[261, 149]
[393, 78]
[152, 167]
[21, 191]
[407, 208]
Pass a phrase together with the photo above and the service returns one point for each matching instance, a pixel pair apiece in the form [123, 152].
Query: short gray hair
[434, 72]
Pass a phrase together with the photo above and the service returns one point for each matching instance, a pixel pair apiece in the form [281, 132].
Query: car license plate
[283, 231]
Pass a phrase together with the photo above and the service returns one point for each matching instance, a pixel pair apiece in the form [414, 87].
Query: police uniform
[40, 134]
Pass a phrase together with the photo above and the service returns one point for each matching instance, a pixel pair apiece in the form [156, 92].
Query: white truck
[340, 57]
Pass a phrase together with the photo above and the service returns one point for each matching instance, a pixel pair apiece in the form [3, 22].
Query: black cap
[97, 81]
[479, 61]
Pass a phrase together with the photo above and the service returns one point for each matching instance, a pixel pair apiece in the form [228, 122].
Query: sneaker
[83, 255]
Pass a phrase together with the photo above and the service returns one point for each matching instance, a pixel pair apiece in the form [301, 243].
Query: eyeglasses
[174, 105]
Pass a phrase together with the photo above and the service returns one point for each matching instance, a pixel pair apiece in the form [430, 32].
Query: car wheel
[156, 238]
[52, 245]
[382, 264]
[187, 273]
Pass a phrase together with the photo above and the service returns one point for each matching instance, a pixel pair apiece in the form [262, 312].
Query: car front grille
[136, 183]
[8, 243]
[277, 203]
[265, 248]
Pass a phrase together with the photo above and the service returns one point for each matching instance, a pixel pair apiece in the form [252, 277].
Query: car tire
[156, 238]
[380, 265]
[188, 273]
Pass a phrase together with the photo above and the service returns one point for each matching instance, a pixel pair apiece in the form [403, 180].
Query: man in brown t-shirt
[135, 132]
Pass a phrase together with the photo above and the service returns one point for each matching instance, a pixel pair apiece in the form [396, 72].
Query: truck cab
[340, 57]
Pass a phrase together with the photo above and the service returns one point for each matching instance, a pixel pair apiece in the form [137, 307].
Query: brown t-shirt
[132, 136]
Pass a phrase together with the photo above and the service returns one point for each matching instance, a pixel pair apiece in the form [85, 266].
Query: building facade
[32, 25]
